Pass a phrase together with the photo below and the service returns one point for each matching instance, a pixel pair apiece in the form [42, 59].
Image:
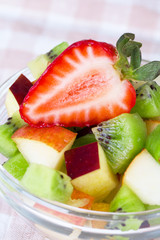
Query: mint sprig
[147, 72]
[129, 62]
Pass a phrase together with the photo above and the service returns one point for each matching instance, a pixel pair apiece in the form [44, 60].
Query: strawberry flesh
[80, 88]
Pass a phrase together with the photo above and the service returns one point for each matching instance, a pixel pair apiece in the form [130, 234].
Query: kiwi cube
[41, 62]
[153, 143]
[16, 166]
[7, 146]
[47, 183]
[126, 201]
[148, 100]
[122, 138]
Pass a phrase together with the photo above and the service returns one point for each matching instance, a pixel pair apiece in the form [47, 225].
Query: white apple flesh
[44, 145]
[143, 178]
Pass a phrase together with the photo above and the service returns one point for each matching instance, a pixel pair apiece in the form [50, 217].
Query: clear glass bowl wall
[60, 221]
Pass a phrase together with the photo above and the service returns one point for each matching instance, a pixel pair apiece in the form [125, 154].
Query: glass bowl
[61, 221]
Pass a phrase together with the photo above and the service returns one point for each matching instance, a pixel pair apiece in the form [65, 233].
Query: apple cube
[90, 173]
[16, 94]
[143, 178]
[44, 145]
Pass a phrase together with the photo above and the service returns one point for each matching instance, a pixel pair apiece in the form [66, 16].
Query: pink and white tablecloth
[31, 27]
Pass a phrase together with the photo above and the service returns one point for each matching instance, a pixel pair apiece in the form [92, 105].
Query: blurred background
[31, 27]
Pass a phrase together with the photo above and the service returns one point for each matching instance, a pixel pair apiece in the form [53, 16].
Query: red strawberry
[80, 87]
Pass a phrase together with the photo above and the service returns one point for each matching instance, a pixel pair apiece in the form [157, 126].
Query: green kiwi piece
[17, 120]
[153, 143]
[126, 201]
[47, 183]
[148, 100]
[40, 63]
[16, 166]
[151, 207]
[7, 146]
[84, 140]
[122, 138]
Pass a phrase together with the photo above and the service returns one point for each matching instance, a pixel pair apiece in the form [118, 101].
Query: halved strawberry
[81, 87]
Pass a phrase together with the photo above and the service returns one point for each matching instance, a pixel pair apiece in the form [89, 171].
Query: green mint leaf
[147, 72]
[129, 47]
[135, 58]
[122, 64]
[129, 55]
[123, 40]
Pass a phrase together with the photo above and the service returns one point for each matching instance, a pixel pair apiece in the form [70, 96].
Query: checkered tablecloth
[31, 27]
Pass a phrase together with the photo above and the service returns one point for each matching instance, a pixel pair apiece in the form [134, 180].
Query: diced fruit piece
[84, 140]
[16, 94]
[143, 177]
[20, 88]
[44, 145]
[100, 206]
[16, 120]
[148, 100]
[11, 103]
[90, 173]
[84, 198]
[112, 194]
[16, 166]
[7, 146]
[79, 88]
[121, 138]
[151, 125]
[40, 63]
[153, 143]
[47, 183]
[156, 118]
[126, 201]
[151, 207]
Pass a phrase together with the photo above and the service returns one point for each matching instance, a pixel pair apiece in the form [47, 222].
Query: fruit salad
[86, 131]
